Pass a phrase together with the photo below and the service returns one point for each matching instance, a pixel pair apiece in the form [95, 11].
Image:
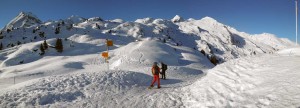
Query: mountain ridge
[24, 19]
[209, 65]
[206, 35]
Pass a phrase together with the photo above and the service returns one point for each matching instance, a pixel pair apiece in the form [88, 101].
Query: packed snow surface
[257, 81]
[264, 81]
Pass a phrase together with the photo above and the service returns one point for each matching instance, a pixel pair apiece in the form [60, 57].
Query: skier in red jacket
[155, 71]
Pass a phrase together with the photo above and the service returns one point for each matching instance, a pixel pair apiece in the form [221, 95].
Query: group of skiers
[156, 71]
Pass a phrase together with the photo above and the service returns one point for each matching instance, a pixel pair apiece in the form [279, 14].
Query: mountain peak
[23, 13]
[24, 19]
[76, 19]
[209, 19]
[177, 18]
[145, 20]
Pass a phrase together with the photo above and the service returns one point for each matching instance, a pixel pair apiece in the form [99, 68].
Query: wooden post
[106, 54]
[296, 3]
[107, 57]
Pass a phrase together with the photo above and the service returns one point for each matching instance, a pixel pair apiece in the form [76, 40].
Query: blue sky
[250, 16]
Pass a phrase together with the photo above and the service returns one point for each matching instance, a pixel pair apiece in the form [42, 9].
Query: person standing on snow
[163, 70]
[155, 71]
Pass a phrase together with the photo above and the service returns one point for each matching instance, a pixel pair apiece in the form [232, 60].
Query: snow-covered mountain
[206, 35]
[23, 20]
[80, 75]
[177, 18]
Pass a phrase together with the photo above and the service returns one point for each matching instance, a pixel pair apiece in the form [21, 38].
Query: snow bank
[22, 55]
[265, 81]
[290, 52]
[147, 52]
[75, 90]
[262, 81]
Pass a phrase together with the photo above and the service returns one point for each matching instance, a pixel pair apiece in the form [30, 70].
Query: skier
[155, 71]
[164, 67]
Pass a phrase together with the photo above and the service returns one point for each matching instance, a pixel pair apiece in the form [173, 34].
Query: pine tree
[63, 23]
[69, 27]
[21, 62]
[97, 26]
[57, 30]
[8, 30]
[59, 45]
[214, 60]
[42, 34]
[45, 45]
[168, 37]
[1, 46]
[19, 43]
[42, 49]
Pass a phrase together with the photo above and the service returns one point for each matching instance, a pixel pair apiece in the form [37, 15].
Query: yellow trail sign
[109, 43]
[105, 54]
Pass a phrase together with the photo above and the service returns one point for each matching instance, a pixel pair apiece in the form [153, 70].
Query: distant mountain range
[206, 35]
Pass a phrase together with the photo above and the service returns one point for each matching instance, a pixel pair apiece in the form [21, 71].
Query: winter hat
[155, 63]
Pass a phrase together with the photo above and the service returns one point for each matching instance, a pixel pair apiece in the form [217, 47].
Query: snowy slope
[265, 81]
[228, 43]
[24, 19]
[262, 81]
[206, 34]
[83, 79]
[79, 76]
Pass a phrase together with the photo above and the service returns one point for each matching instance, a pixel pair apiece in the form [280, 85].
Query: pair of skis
[152, 87]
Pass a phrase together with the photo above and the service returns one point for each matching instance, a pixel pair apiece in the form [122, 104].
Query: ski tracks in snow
[231, 81]
[265, 81]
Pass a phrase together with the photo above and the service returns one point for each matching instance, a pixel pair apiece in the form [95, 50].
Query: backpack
[156, 70]
[164, 66]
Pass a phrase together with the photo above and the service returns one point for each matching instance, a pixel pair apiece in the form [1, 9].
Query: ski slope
[253, 71]
[259, 81]
[270, 81]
